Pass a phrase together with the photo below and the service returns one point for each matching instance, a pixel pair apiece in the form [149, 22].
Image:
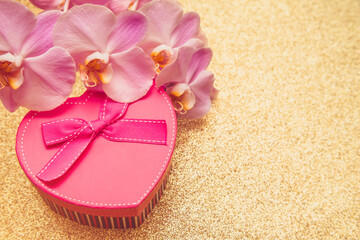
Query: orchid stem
[66, 5]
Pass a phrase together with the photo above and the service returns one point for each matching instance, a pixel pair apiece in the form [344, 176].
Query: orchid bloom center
[162, 55]
[96, 70]
[133, 5]
[10, 71]
[182, 97]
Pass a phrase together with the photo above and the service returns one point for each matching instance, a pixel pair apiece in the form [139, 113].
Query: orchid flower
[103, 46]
[33, 73]
[188, 83]
[64, 4]
[169, 29]
[118, 6]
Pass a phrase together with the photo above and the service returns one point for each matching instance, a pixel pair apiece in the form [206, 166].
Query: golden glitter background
[278, 156]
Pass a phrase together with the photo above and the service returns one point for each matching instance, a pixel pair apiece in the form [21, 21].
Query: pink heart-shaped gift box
[112, 184]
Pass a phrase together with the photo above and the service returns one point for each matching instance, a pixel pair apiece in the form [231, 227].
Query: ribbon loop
[76, 134]
[61, 130]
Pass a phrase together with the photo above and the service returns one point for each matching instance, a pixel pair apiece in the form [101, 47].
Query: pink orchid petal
[4, 46]
[81, 58]
[47, 4]
[189, 27]
[16, 22]
[71, 4]
[163, 17]
[6, 97]
[199, 62]
[133, 75]
[195, 43]
[118, 6]
[98, 2]
[48, 80]
[203, 38]
[84, 29]
[141, 3]
[214, 93]
[40, 39]
[130, 30]
[201, 87]
[176, 71]
[148, 45]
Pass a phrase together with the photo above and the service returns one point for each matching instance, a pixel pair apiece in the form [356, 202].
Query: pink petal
[118, 6]
[48, 80]
[199, 62]
[203, 38]
[16, 22]
[40, 39]
[47, 4]
[98, 2]
[201, 87]
[130, 30]
[84, 29]
[195, 43]
[189, 27]
[148, 45]
[163, 17]
[176, 72]
[4, 46]
[142, 3]
[133, 75]
[214, 93]
[6, 97]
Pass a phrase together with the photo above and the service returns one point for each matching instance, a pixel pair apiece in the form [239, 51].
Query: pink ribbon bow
[76, 134]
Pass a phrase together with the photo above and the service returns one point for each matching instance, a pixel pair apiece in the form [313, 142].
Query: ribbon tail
[70, 151]
[137, 131]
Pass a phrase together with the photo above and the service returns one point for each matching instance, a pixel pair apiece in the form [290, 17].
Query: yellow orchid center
[10, 75]
[95, 71]
[162, 56]
[182, 98]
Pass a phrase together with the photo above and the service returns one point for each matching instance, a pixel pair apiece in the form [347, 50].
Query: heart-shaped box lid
[108, 175]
